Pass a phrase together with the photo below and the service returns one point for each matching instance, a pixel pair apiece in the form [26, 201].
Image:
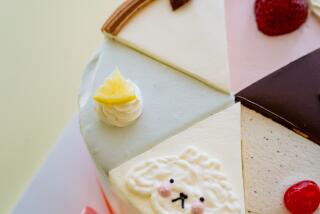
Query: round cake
[206, 107]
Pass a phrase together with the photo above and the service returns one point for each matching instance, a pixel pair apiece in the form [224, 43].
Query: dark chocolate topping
[290, 96]
[175, 4]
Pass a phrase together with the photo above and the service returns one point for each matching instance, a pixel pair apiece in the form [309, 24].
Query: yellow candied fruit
[115, 90]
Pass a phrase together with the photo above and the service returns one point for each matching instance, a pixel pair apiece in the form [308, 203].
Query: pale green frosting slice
[172, 100]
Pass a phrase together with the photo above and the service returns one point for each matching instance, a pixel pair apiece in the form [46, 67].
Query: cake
[273, 153]
[163, 129]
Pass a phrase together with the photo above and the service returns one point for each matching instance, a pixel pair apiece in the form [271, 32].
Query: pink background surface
[252, 55]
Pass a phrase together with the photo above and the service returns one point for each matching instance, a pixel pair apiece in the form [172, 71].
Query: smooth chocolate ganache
[290, 96]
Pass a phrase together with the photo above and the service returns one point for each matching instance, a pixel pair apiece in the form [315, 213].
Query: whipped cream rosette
[119, 101]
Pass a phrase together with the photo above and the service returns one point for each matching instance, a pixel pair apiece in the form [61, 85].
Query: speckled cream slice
[274, 158]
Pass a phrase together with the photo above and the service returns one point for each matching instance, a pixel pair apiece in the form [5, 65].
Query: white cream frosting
[191, 39]
[122, 115]
[315, 7]
[194, 173]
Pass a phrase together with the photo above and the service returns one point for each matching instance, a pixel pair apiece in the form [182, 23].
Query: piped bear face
[190, 183]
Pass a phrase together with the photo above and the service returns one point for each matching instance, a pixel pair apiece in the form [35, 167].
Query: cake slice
[274, 158]
[172, 102]
[199, 170]
[280, 133]
[191, 38]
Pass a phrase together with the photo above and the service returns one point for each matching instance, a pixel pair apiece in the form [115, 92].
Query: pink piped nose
[164, 190]
[197, 208]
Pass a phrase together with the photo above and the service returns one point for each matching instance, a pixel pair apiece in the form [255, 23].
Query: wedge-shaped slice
[201, 164]
[191, 39]
[172, 101]
[274, 159]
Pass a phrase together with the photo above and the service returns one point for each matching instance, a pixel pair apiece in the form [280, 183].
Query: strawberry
[277, 17]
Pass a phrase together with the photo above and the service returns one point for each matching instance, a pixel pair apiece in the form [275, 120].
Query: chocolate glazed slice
[290, 96]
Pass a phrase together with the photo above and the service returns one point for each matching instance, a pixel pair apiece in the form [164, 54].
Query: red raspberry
[302, 197]
[276, 17]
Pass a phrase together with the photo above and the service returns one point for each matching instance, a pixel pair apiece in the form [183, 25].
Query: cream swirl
[124, 114]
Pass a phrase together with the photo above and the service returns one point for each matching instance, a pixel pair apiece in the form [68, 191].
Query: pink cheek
[197, 208]
[164, 190]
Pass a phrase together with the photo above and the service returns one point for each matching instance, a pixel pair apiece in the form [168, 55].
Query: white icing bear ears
[145, 177]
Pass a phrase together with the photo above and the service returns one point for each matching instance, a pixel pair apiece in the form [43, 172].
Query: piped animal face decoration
[190, 183]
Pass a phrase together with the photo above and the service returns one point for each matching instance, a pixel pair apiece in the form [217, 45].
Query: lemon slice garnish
[115, 90]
